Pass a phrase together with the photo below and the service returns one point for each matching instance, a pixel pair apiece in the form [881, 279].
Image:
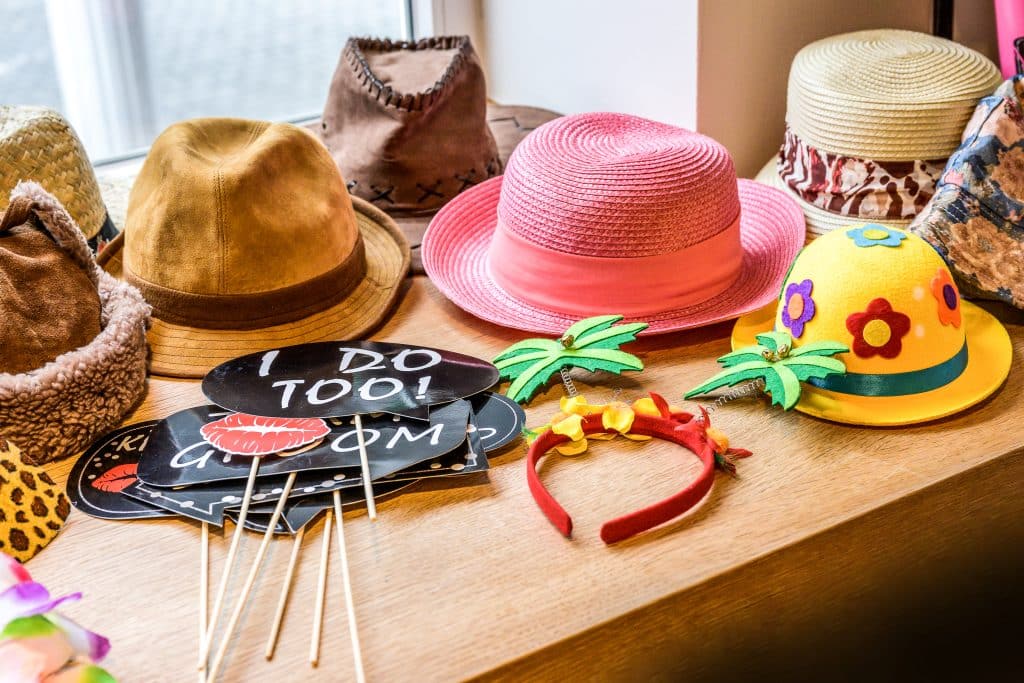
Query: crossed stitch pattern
[468, 179]
[429, 191]
[383, 194]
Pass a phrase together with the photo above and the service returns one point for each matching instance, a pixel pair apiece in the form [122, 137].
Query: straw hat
[871, 118]
[38, 144]
[242, 237]
[609, 213]
[917, 351]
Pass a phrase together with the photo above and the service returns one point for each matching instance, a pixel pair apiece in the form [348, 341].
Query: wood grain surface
[452, 581]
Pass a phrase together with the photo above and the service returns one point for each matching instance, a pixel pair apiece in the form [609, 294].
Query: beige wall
[718, 65]
[744, 53]
[974, 25]
[572, 56]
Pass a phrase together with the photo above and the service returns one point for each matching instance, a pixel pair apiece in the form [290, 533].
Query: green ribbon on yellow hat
[896, 383]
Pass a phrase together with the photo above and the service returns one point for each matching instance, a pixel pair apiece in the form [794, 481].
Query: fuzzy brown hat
[73, 338]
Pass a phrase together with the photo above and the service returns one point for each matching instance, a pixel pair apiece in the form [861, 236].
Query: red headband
[679, 428]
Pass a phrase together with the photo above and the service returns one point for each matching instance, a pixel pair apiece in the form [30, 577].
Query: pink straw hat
[613, 214]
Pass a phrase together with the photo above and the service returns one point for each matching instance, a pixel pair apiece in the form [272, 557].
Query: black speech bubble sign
[259, 521]
[332, 379]
[98, 478]
[498, 419]
[300, 511]
[208, 502]
[178, 455]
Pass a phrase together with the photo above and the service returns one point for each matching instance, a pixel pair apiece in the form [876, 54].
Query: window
[122, 70]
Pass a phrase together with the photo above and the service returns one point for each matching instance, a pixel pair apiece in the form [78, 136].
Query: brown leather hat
[73, 358]
[242, 237]
[407, 122]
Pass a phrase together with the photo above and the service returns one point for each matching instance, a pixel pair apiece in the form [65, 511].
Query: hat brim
[455, 250]
[819, 221]
[182, 351]
[989, 354]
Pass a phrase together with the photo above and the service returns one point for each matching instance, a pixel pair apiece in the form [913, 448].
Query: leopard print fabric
[861, 188]
[32, 506]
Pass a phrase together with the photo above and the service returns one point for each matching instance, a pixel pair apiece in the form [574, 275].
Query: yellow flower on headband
[577, 405]
[617, 417]
[720, 439]
[647, 406]
[572, 427]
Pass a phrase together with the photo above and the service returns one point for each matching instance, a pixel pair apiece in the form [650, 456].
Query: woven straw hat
[610, 213]
[882, 96]
[38, 144]
[917, 351]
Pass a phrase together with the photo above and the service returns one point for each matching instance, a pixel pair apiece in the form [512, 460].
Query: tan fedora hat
[37, 144]
[508, 123]
[871, 118]
[242, 237]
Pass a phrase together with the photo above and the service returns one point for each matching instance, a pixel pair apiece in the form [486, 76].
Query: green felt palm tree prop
[592, 344]
[781, 367]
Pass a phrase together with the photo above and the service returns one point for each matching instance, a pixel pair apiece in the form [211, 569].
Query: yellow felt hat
[917, 352]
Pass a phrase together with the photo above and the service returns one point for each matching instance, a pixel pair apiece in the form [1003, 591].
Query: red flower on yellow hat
[878, 331]
[945, 292]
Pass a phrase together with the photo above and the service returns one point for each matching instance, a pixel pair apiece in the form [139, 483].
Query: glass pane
[122, 70]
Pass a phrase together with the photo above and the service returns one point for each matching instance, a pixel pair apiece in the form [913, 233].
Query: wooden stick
[204, 590]
[353, 630]
[321, 593]
[282, 602]
[364, 463]
[229, 563]
[254, 571]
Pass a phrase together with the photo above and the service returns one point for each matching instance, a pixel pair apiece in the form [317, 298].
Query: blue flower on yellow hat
[875, 235]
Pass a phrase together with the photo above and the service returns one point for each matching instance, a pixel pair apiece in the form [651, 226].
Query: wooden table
[823, 526]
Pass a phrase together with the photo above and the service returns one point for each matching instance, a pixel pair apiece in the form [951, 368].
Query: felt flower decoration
[725, 455]
[781, 367]
[592, 344]
[617, 417]
[875, 235]
[878, 331]
[570, 426]
[38, 642]
[945, 292]
[798, 307]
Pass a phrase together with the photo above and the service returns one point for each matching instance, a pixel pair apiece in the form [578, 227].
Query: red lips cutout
[243, 434]
[116, 479]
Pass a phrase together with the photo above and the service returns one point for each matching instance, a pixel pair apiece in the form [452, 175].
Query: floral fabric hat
[917, 352]
[976, 219]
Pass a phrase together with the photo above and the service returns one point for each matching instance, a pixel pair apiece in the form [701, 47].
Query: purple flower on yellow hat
[875, 235]
[798, 306]
[878, 331]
